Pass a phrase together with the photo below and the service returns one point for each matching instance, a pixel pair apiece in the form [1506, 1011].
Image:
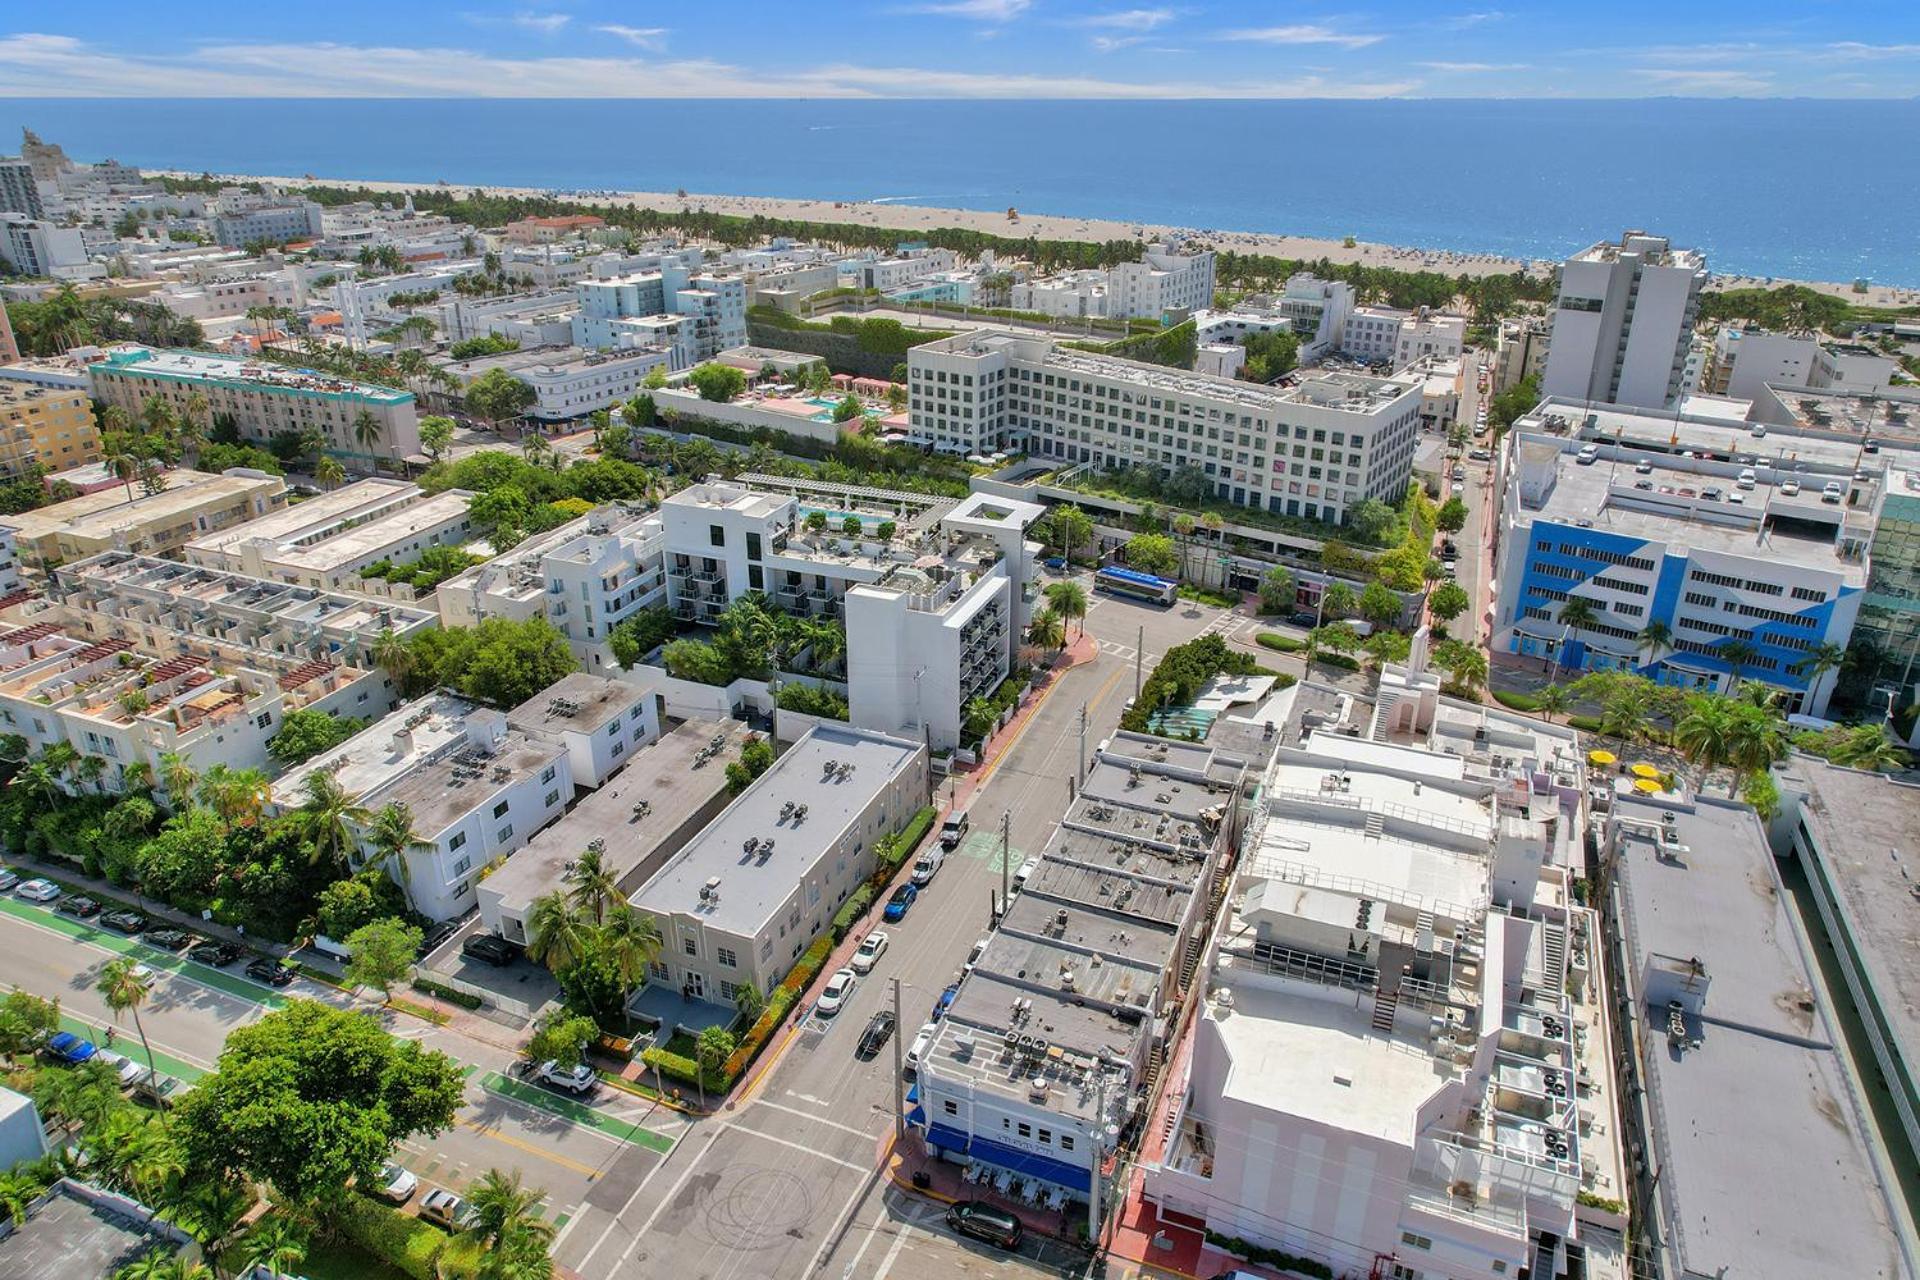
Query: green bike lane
[152, 957]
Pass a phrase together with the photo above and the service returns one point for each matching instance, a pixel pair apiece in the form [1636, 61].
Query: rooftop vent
[710, 891]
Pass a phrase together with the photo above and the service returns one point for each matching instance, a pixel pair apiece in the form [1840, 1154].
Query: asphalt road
[785, 1183]
[192, 1010]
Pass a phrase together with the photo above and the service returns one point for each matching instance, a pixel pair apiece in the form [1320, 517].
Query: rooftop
[1655, 250]
[198, 366]
[1764, 1167]
[1720, 439]
[441, 791]
[108, 513]
[306, 522]
[79, 1233]
[670, 778]
[578, 703]
[1868, 828]
[405, 739]
[1890, 415]
[801, 806]
[328, 549]
[546, 360]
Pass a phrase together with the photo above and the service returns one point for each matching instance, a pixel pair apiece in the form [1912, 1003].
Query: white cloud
[1128, 19]
[1303, 33]
[639, 37]
[1113, 44]
[1705, 82]
[546, 23]
[1466, 67]
[1856, 49]
[1462, 21]
[61, 66]
[979, 10]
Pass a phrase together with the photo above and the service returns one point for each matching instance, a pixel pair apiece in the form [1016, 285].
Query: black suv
[1303, 619]
[270, 971]
[125, 921]
[217, 954]
[491, 947]
[874, 1038]
[81, 907]
[983, 1221]
[168, 937]
[435, 935]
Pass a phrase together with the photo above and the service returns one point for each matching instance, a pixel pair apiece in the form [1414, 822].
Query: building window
[500, 810]
[461, 867]
[553, 798]
[687, 945]
[548, 775]
[1417, 1241]
[717, 535]
[504, 834]
[459, 838]
[949, 1106]
[727, 957]
[1066, 1142]
[659, 970]
[1025, 1130]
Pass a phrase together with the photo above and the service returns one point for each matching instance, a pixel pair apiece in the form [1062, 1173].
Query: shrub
[771, 1016]
[1345, 662]
[1585, 724]
[1285, 644]
[852, 910]
[1267, 1257]
[916, 829]
[465, 999]
[1516, 701]
[810, 700]
[685, 1070]
[406, 1244]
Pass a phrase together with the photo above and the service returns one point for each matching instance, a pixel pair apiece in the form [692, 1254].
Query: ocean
[1804, 189]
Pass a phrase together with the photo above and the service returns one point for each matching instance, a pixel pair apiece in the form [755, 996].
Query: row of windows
[1638, 563]
[1744, 584]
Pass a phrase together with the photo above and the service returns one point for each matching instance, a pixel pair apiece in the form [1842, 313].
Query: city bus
[1141, 586]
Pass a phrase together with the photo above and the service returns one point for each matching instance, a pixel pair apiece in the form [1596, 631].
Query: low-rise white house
[569, 382]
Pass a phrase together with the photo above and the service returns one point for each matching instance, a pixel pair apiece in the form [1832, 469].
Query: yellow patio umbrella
[1647, 785]
[1602, 757]
[1645, 771]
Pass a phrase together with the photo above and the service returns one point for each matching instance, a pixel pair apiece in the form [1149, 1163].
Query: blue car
[941, 1005]
[69, 1047]
[897, 905]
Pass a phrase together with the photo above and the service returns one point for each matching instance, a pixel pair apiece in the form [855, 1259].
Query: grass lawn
[343, 1260]
[683, 1044]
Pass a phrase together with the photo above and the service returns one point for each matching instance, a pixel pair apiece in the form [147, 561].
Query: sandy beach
[917, 219]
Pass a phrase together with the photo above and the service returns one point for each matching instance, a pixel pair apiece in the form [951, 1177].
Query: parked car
[446, 1209]
[973, 956]
[838, 991]
[872, 947]
[80, 908]
[1831, 493]
[983, 1221]
[578, 1078]
[394, 1184]
[125, 921]
[953, 830]
[1025, 873]
[168, 938]
[162, 1091]
[270, 971]
[897, 905]
[124, 1068]
[217, 954]
[70, 1048]
[945, 1001]
[1789, 488]
[1711, 493]
[1303, 618]
[491, 947]
[435, 935]
[8, 879]
[1643, 467]
[1480, 455]
[922, 1045]
[1459, 490]
[39, 891]
[929, 865]
[879, 1027]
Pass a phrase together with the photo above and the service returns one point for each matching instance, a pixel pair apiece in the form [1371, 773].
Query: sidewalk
[112, 896]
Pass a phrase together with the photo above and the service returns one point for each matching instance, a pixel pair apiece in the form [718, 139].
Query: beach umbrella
[1646, 785]
[1645, 771]
[1602, 757]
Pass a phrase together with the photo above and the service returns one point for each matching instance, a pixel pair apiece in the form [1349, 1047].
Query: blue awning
[917, 1117]
[1027, 1164]
[913, 1094]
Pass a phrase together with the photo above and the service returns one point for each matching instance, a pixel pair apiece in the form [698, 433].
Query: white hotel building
[1623, 322]
[1311, 449]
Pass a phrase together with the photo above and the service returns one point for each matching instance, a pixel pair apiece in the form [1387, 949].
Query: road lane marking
[801, 1146]
[577, 1113]
[673, 1193]
[817, 1119]
[893, 1254]
[490, 1131]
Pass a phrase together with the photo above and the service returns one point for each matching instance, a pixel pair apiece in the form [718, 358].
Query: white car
[578, 1078]
[1789, 488]
[125, 1069]
[839, 991]
[922, 1044]
[394, 1184]
[1026, 870]
[1459, 490]
[872, 947]
[39, 891]
[973, 956]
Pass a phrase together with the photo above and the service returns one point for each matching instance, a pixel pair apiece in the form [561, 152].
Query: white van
[929, 865]
[953, 830]
[1746, 479]
[1587, 455]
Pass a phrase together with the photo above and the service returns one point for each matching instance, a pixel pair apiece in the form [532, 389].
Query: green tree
[1554, 700]
[506, 1234]
[124, 990]
[1466, 663]
[497, 396]
[436, 436]
[1069, 601]
[382, 953]
[1276, 590]
[392, 836]
[1374, 522]
[1448, 601]
[1705, 733]
[309, 1096]
[25, 1020]
[279, 1244]
[718, 383]
[562, 1037]
[1736, 652]
[595, 887]
[713, 1048]
[1452, 517]
[1656, 638]
[1152, 553]
[1045, 630]
[1755, 742]
[1511, 403]
[346, 906]
[1578, 612]
[556, 935]
[328, 818]
[1866, 746]
[1379, 605]
[1072, 529]
[1338, 601]
[305, 733]
[748, 1002]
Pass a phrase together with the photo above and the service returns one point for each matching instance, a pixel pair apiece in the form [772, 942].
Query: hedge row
[914, 832]
[686, 1070]
[1585, 724]
[1267, 1257]
[1516, 701]
[779, 1002]
[1274, 640]
[406, 1244]
[1344, 662]
[465, 999]
[854, 907]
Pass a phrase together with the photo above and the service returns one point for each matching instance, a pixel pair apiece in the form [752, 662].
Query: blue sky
[963, 49]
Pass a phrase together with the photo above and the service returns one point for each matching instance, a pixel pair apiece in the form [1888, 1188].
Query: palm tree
[1704, 733]
[125, 991]
[1758, 693]
[237, 795]
[748, 1002]
[367, 432]
[392, 836]
[1754, 743]
[17, 1191]
[632, 941]
[138, 776]
[1656, 638]
[39, 783]
[193, 427]
[1867, 746]
[1736, 652]
[328, 818]
[1553, 700]
[503, 1211]
[595, 888]
[1578, 612]
[1819, 661]
[555, 936]
[329, 472]
[1337, 601]
[1069, 600]
[978, 716]
[277, 1244]
[1045, 630]
[123, 463]
[393, 655]
[178, 777]
[1183, 534]
[533, 446]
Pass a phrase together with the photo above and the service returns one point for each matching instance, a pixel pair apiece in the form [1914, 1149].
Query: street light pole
[1006, 854]
[899, 1099]
[1099, 1157]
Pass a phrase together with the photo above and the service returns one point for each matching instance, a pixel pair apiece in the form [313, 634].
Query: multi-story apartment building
[896, 272]
[194, 503]
[264, 399]
[745, 897]
[933, 615]
[1168, 277]
[1401, 1065]
[1747, 359]
[326, 541]
[9, 345]
[1623, 322]
[49, 427]
[1750, 567]
[10, 582]
[1312, 448]
[1373, 333]
[533, 320]
[18, 192]
[1429, 335]
[1520, 352]
[32, 247]
[244, 217]
[548, 230]
[1061, 1025]
[570, 382]
[693, 314]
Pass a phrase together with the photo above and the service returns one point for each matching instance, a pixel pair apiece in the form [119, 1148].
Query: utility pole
[1006, 854]
[1099, 1156]
[1080, 761]
[1139, 659]
[899, 1100]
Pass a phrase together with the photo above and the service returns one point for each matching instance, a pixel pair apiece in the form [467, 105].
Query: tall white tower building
[1623, 321]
